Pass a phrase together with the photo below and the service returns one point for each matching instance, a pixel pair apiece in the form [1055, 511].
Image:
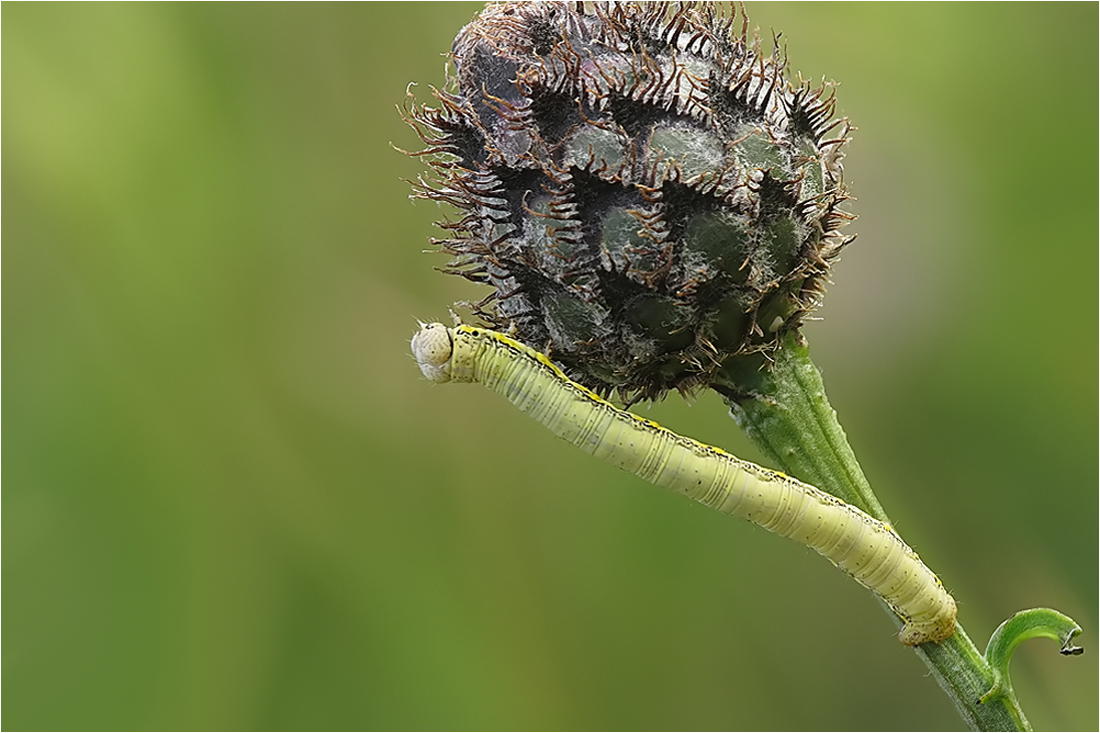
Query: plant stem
[790, 420]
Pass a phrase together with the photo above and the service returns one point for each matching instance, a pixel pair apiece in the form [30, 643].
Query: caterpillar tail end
[937, 629]
[432, 347]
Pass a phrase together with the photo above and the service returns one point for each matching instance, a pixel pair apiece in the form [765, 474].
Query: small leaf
[1029, 624]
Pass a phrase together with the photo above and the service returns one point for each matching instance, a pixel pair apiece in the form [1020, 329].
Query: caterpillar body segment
[865, 548]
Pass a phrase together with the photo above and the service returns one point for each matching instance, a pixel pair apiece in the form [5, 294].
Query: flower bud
[649, 197]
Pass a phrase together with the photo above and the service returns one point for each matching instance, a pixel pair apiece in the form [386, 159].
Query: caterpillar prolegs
[865, 548]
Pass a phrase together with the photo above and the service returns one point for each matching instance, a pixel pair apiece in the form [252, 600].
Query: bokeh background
[231, 501]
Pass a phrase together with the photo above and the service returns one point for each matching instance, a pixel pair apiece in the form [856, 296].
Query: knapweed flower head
[649, 196]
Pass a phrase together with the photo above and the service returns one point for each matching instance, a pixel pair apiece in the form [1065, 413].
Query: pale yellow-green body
[865, 548]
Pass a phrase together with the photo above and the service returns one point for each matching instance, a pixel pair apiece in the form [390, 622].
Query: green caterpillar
[865, 548]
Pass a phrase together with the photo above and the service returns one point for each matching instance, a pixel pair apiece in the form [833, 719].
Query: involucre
[650, 198]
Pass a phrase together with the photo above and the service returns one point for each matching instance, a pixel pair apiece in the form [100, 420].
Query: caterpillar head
[432, 348]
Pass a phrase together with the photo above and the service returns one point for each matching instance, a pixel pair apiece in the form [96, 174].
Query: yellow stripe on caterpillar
[865, 548]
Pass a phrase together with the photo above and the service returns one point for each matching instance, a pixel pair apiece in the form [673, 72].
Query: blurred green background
[231, 501]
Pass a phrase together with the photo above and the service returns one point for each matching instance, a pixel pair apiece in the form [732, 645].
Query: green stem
[790, 420]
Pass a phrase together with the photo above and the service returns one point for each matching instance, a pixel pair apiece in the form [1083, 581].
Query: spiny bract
[648, 195]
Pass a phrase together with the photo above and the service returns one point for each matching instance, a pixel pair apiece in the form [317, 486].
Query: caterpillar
[865, 548]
